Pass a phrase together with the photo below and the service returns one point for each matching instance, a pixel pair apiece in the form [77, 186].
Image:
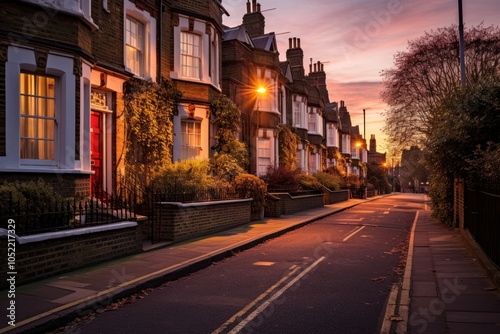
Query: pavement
[444, 288]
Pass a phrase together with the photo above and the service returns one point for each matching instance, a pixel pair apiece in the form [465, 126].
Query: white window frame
[190, 150]
[33, 121]
[331, 135]
[60, 66]
[191, 55]
[134, 45]
[311, 126]
[264, 155]
[149, 61]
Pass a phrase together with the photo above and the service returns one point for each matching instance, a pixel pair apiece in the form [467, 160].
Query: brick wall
[42, 259]
[107, 42]
[335, 196]
[29, 22]
[185, 221]
[67, 185]
[292, 204]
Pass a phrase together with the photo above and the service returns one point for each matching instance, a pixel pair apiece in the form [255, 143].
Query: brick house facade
[69, 61]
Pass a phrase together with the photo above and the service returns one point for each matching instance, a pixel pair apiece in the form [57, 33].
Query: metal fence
[33, 217]
[482, 218]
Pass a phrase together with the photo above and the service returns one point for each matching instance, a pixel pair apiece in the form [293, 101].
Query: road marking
[353, 233]
[266, 302]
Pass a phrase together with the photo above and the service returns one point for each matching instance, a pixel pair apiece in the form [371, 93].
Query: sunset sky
[357, 39]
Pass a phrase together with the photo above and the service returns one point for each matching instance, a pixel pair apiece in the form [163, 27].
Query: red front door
[96, 155]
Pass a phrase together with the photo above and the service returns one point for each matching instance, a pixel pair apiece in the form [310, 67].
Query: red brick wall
[184, 221]
[43, 259]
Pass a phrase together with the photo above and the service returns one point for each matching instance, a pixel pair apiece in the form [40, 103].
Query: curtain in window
[190, 139]
[190, 55]
[37, 117]
[134, 40]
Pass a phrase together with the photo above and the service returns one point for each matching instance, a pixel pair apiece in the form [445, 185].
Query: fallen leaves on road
[379, 279]
[396, 318]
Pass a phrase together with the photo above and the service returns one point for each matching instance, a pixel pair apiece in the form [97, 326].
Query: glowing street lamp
[261, 90]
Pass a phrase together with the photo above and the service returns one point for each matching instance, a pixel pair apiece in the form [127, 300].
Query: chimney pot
[298, 43]
[248, 7]
[310, 68]
[290, 43]
[254, 5]
[294, 42]
[315, 67]
[258, 7]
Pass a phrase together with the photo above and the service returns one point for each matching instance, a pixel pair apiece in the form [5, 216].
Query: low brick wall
[182, 221]
[43, 255]
[291, 204]
[331, 197]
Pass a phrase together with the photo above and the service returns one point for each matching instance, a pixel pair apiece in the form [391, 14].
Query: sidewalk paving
[445, 280]
[450, 290]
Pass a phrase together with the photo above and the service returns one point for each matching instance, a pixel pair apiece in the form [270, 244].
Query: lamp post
[462, 46]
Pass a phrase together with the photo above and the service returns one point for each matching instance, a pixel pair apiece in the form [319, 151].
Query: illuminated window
[190, 55]
[134, 41]
[264, 155]
[191, 139]
[38, 116]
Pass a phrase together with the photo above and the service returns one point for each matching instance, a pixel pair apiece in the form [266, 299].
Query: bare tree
[428, 72]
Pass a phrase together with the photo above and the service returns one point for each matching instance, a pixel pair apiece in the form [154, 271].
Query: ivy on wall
[149, 107]
[288, 146]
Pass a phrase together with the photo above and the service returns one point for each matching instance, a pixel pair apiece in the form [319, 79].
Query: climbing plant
[230, 152]
[149, 107]
[288, 145]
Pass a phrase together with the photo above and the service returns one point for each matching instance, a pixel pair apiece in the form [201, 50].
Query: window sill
[41, 169]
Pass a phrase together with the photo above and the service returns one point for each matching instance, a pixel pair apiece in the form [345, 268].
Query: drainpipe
[160, 35]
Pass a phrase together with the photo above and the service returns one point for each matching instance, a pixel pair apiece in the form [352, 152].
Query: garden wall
[331, 197]
[290, 204]
[182, 221]
[47, 254]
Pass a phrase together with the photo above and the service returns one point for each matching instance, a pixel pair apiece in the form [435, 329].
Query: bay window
[37, 116]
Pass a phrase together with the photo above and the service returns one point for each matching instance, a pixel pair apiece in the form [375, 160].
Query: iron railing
[33, 217]
[482, 218]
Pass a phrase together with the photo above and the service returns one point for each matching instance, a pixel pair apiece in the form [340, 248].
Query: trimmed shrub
[282, 179]
[251, 186]
[331, 181]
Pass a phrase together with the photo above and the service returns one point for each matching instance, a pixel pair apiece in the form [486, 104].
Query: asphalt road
[331, 276]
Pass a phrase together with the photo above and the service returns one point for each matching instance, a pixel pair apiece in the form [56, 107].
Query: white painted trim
[69, 233]
[61, 67]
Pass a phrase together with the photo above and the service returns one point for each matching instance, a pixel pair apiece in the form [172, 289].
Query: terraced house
[63, 67]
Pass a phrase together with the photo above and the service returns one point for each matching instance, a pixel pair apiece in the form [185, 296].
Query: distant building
[375, 157]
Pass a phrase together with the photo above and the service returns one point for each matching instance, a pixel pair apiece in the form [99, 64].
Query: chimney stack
[253, 20]
[373, 144]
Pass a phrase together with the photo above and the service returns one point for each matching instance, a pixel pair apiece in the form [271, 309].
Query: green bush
[37, 194]
[309, 182]
[251, 186]
[193, 174]
[331, 181]
[225, 167]
[34, 206]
